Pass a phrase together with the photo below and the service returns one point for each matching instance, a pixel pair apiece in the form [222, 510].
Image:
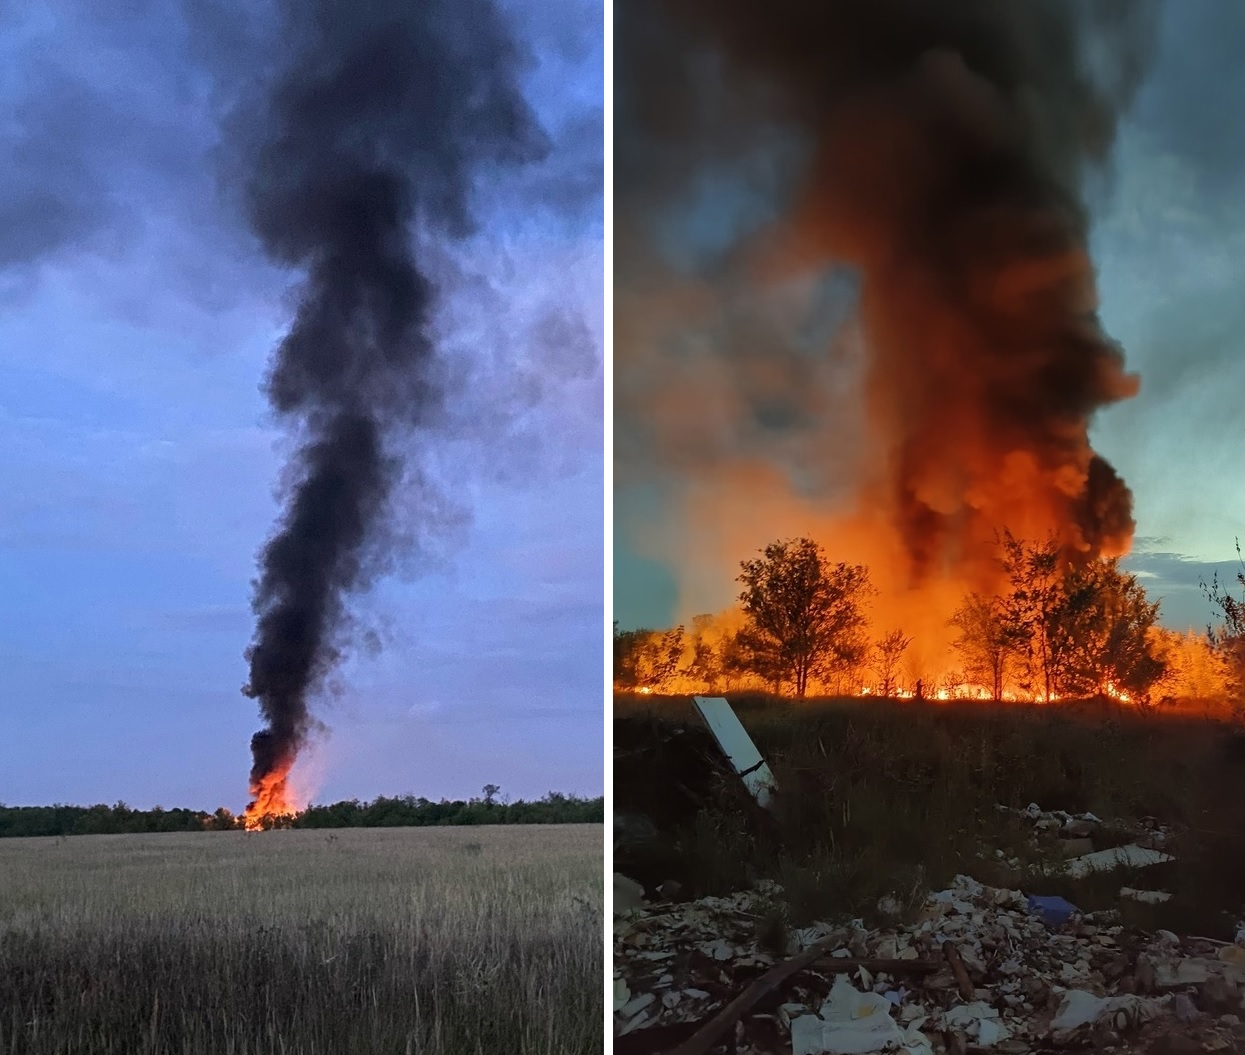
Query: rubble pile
[977, 969]
[1080, 849]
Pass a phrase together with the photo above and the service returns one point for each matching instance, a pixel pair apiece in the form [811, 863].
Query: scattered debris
[977, 969]
[721, 1023]
[737, 746]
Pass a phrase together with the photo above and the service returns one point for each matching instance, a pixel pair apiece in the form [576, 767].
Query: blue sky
[1168, 240]
[136, 319]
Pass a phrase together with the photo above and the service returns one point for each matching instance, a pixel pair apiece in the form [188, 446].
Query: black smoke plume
[942, 150]
[371, 126]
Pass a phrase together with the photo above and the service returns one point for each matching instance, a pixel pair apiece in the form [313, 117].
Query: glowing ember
[271, 800]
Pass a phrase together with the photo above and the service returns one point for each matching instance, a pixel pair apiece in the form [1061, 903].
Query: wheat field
[304, 942]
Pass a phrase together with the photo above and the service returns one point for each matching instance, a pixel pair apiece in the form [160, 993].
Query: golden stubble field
[304, 942]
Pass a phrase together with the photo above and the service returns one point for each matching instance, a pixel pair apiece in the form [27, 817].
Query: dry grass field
[404, 940]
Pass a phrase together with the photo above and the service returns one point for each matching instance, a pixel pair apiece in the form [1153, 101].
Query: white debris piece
[990, 1033]
[622, 994]
[971, 1017]
[1130, 856]
[1184, 972]
[1079, 1010]
[638, 1004]
[737, 745]
[854, 1023]
[1146, 897]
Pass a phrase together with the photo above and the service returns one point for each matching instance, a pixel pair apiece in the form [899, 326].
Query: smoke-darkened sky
[142, 462]
[1167, 231]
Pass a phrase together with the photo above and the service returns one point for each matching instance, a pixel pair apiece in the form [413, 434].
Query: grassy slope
[879, 797]
[377, 941]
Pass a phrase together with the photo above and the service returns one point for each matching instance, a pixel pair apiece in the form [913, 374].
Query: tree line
[1054, 628]
[398, 812]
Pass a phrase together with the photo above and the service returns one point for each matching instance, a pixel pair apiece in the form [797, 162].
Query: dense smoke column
[947, 145]
[372, 125]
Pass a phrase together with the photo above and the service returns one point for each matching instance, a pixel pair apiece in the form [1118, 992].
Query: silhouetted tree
[988, 640]
[886, 656]
[805, 615]
[1228, 638]
[1100, 634]
[705, 666]
[647, 659]
[1034, 573]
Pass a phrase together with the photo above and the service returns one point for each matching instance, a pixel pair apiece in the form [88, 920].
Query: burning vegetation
[1052, 629]
[934, 157]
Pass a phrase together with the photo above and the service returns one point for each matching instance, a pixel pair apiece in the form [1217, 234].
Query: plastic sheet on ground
[854, 1023]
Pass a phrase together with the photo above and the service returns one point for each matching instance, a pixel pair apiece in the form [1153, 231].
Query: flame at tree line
[270, 797]
[1050, 628]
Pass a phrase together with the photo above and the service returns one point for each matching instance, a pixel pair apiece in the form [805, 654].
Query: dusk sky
[142, 463]
[1168, 238]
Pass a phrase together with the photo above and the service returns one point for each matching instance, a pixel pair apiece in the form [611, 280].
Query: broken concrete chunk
[638, 1022]
[637, 1004]
[1192, 971]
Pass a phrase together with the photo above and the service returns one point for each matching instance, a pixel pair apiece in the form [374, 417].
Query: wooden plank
[724, 1021]
[965, 984]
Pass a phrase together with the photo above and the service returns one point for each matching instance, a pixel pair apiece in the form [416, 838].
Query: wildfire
[978, 692]
[270, 799]
[950, 692]
[1116, 694]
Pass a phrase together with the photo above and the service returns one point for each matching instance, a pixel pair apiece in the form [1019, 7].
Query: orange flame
[271, 800]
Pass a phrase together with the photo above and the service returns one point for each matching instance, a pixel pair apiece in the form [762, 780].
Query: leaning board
[737, 745]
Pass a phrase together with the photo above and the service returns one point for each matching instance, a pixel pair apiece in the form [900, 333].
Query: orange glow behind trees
[1052, 629]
